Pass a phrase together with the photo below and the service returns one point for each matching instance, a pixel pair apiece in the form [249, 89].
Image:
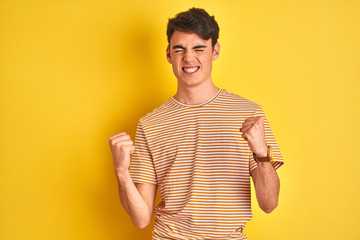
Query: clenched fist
[254, 133]
[121, 147]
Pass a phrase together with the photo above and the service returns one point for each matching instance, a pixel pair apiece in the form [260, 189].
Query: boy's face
[191, 58]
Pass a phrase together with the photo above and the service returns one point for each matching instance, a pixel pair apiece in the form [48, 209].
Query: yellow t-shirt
[201, 164]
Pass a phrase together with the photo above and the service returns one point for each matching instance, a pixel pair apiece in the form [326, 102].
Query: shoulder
[230, 98]
[156, 114]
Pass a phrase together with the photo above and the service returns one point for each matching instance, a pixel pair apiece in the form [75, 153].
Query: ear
[216, 51]
[168, 54]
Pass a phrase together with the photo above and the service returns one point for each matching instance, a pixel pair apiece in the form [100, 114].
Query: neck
[195, 94]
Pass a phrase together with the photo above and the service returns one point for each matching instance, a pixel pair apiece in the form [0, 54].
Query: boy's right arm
[137, 199]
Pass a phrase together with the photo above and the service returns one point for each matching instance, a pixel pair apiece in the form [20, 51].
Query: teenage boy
[199, 148]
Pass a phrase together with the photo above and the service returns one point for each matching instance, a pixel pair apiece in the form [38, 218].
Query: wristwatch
[268, 158]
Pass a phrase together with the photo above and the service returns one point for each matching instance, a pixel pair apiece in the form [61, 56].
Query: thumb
[132, 148]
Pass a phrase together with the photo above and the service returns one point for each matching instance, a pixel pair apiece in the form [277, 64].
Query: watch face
[270, 153]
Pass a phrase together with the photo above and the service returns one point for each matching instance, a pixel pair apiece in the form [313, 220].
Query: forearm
[132, 201]
[267, 186]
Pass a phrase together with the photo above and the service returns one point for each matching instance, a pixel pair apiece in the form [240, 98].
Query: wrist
[122, 175]
[264, 156]
[263, 153]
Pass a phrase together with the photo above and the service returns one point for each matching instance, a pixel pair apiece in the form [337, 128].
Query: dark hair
[195, 20]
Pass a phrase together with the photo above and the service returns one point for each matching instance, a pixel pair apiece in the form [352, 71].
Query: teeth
[190, 70]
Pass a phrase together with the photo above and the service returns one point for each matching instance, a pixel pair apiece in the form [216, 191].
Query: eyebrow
[178, 46]
[199, 46]
[196, 47]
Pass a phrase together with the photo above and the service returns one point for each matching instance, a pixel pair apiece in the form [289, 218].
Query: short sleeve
[270, 140]
[142, 166]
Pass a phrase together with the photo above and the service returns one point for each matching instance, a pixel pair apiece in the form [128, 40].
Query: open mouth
[190, 69]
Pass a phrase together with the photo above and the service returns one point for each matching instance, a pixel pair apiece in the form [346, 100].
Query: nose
[188, 56]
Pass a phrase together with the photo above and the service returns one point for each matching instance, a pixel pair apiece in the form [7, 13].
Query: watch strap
[268, 158]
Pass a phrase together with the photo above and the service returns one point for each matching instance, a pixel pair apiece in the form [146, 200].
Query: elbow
[141, 219]
[142, 223]
[142, 226]
[268, 208]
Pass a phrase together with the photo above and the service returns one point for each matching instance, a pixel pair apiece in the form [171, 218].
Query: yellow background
[73, 73]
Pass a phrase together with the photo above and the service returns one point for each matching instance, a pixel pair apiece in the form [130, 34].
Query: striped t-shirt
[201, 164]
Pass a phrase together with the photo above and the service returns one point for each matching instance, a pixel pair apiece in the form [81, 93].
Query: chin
[190, 83]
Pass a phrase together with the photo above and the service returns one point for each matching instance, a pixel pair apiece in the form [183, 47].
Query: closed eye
[178, 48]
[199, 48]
